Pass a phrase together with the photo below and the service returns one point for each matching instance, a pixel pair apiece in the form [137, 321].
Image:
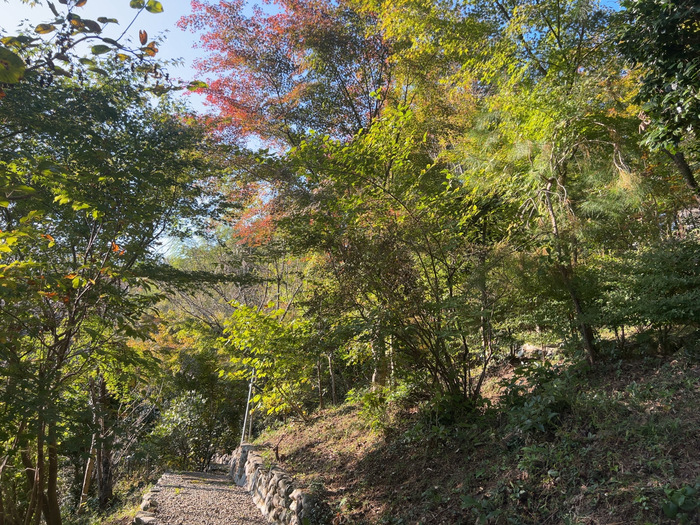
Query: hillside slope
[616, 444]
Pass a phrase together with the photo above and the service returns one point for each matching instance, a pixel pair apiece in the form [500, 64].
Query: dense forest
[388, 202]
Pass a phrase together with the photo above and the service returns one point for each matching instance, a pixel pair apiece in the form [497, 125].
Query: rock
[145, 518]
[285, 487]
[148, 504]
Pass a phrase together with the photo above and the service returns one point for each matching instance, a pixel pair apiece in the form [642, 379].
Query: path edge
[273, 490]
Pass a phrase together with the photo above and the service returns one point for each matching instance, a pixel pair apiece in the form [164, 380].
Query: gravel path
[203, 499]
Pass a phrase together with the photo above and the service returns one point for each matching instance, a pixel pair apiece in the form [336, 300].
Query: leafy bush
[537, 398]
[682, 504]
[190, 430]
[376, 402]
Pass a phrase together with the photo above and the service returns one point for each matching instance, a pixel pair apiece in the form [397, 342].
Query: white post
[247, 407]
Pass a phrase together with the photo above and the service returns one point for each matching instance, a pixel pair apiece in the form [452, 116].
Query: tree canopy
[391, 197]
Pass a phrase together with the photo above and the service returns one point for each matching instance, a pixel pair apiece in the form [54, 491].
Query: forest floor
[618, 443]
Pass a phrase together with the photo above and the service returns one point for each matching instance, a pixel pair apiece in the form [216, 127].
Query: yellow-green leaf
[92, 26]
[197, 84]
[98, 70]
[44, 29]
[100, 49]
[11, 67]
[153, 6]
[61, 71]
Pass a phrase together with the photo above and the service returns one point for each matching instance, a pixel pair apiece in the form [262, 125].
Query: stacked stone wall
[272, 489]
[146, 514]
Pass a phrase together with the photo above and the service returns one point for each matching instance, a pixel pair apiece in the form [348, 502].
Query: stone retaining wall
[272, 490]
[146, 516]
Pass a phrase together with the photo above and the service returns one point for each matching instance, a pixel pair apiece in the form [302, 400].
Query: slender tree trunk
[565, 272]
[320, 386]
[334, 400]
[39, 474]
[89, 468]
[391, 362]
[38, 500]
[683, 167]
[105, 495]
[585, 328]
[380, 364]
[54, 509]
[2, 504]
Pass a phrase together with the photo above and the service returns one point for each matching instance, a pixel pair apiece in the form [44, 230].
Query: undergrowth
[562, 443]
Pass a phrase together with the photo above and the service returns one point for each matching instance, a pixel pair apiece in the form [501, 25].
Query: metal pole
[247, 407]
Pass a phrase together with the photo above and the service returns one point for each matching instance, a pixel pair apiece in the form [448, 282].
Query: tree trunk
[681, 163]
[320, 386]
[585, 329]
[105, 489]
[334, 400]
[89, 468]
[380, 363]
[38, 481]
[53, 507]
[2, 505]
[564, 267]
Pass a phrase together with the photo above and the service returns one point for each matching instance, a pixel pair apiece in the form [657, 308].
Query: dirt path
[203, 499]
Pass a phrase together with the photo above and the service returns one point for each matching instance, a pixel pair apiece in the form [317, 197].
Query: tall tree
[87, 198]
[304, 65]
[661, 40]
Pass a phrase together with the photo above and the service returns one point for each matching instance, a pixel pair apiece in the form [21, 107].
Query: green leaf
[197, 84]
[92, 26]
[105, 20]
[136, 4]
[98, 70]
[48, 168]
[670, 509]
[11, 67]
[17, 40]
[24, 189]
[61, 71]
[100, 49]
[44, 29]
[154, 6]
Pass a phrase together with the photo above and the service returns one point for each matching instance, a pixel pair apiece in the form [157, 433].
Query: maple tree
[415, 190]
[298, 66]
